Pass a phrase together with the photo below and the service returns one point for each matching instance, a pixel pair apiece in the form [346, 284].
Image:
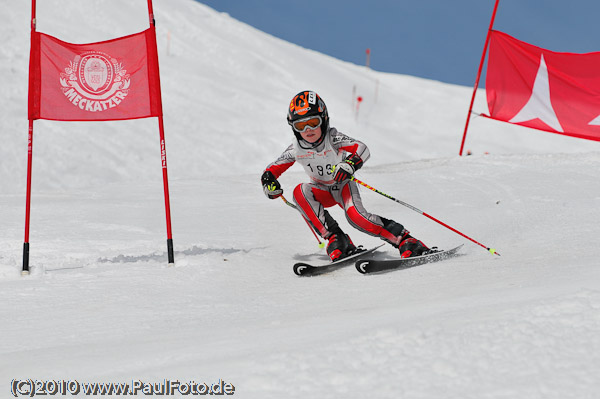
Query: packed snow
[102, 304]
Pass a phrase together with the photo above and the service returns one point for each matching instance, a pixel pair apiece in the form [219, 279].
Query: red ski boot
[410, 247]
[339, 246]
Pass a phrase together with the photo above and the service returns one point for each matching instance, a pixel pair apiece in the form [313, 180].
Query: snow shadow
[193, 251]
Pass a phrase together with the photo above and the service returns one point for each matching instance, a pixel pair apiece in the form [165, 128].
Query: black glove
[271, 186]
[345, 169]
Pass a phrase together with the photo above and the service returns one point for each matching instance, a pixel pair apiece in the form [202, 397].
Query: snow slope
[101, 304]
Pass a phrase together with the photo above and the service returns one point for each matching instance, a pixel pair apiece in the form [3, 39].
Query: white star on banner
[595, 121]
[539, 105]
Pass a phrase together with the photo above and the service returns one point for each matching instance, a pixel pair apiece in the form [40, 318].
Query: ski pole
[490, 250]
[321, 244]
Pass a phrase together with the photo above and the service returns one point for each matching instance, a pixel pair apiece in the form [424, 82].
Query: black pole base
[25, 270]
[170, 250]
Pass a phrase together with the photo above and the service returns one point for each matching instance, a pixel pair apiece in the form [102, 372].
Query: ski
[367, 266]
[305, 269]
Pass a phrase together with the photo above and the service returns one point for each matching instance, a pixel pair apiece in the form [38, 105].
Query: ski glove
[345, 169]
[271, 186]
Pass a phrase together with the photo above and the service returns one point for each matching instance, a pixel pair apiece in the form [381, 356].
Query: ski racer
[330, 159]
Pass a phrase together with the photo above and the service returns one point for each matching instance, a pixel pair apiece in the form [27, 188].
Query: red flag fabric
[542, 89]
[110, 80]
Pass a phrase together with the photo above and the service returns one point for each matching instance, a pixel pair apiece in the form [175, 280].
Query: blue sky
[435, 39]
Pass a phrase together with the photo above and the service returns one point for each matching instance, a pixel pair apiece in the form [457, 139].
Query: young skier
[330, 158]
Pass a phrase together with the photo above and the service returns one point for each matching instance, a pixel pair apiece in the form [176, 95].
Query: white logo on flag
[539, 105]
[95, 82]
[595, 121]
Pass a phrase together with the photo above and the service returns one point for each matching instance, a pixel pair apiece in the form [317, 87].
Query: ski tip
[361, 266]
[300, 269]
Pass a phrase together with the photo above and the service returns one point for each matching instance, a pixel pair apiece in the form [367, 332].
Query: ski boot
[410, 247]
[339, 246]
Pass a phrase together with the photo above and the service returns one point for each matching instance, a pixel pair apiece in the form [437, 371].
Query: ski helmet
[304, 105]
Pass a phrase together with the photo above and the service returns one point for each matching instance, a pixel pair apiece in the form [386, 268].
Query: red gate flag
[109, 80]
[542, 89]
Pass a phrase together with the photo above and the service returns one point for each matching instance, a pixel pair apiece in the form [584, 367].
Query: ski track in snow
[102, 305]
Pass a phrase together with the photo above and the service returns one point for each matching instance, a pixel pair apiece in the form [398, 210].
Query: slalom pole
[485, 46]
[163, 151]
[321, 244]
[25, 269]
[490, 250]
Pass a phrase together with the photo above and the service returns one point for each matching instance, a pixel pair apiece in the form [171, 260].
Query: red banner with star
[542, 89]
[110, 80]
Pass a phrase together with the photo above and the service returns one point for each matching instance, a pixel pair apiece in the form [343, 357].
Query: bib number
[321, 171]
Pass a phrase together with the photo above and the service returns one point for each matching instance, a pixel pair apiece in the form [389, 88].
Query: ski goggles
[311, 122]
